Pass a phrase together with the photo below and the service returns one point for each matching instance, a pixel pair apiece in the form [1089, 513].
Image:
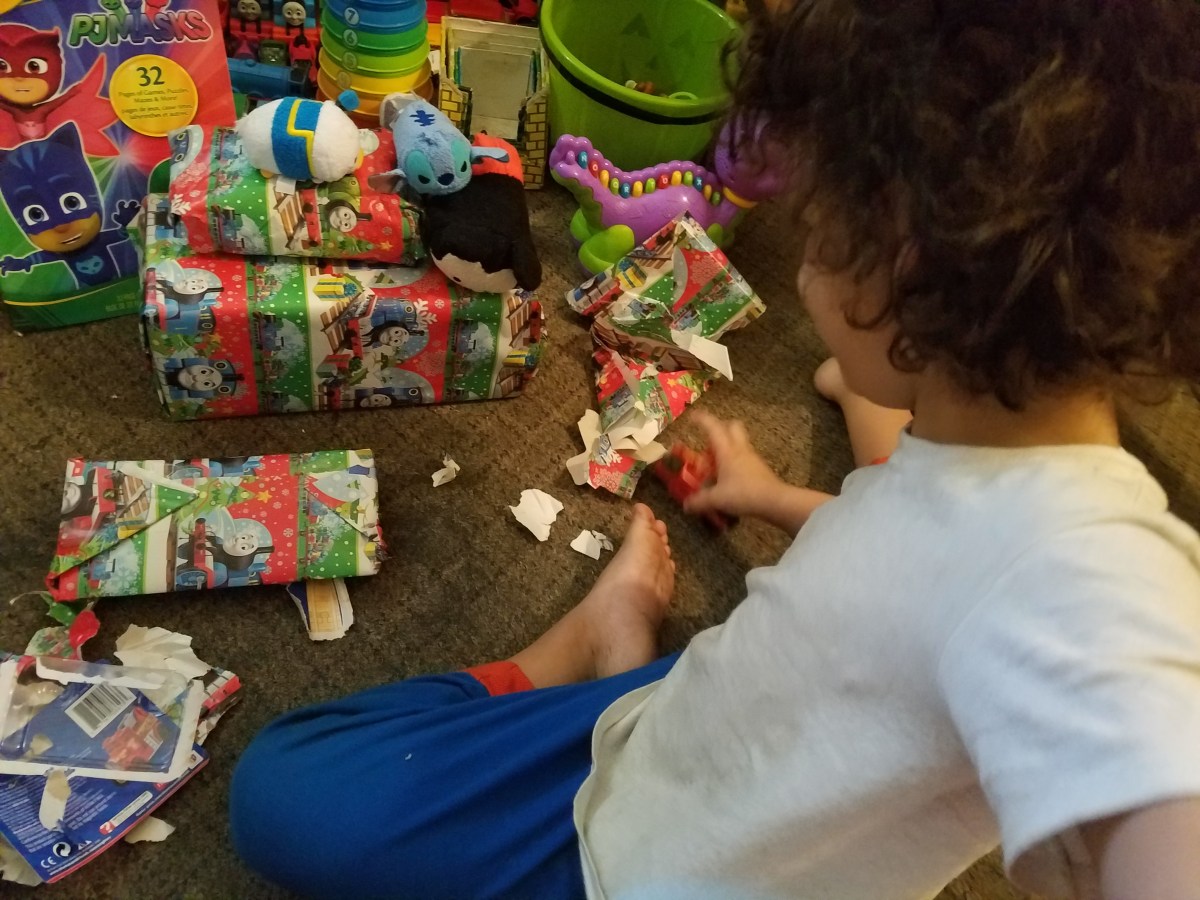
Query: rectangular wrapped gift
[224, 204]
[153, 526]
[233, 336]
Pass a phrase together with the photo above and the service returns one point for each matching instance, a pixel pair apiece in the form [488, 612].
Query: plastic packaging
[96, 720]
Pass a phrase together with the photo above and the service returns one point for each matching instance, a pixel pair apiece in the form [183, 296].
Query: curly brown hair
[1050, 154]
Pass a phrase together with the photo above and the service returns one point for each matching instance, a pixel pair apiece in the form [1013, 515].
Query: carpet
[465, 583]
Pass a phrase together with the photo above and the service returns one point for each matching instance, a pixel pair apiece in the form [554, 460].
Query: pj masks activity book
[89, 90]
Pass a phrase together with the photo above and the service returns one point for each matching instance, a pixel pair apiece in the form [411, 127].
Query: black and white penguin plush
[480, 236]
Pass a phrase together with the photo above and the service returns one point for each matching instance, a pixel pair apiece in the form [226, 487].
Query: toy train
[267, 81]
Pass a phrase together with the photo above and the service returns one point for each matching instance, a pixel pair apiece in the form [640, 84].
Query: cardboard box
[493, 78]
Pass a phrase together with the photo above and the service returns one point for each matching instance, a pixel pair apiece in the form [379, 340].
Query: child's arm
[1150, 852]
[745, 484]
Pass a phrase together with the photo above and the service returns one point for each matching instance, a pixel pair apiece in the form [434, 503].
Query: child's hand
[744, 484]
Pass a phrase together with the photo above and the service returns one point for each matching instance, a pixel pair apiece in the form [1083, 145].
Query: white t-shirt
[968, 645]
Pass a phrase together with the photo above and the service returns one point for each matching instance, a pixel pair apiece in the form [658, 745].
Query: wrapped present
[658, 315]
[152, 526]
[675, 291]
[226, 205]
[232, 335]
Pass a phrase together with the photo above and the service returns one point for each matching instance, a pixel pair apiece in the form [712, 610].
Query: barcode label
[98, 706]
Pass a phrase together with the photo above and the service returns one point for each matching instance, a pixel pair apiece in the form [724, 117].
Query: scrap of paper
[707, 351]
[54, 799]
[149, 829]
[537, 512]
[15, 868]
[590, 543]
[220, 694]
[157, 648]
[324, 606]
[447, 472]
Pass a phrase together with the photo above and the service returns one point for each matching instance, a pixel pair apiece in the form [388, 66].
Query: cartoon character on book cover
[79, 83]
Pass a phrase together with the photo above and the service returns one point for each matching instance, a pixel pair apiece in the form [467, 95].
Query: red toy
[135, 741]
[685, 471]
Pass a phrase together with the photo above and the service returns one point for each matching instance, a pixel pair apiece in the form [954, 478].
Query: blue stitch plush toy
[432, 156]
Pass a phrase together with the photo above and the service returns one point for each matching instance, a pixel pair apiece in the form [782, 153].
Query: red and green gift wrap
[678, 281]
[226, 205]
[154, 526]
[234, 335]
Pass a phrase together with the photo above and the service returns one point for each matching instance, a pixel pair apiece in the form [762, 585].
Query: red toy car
[685, 471]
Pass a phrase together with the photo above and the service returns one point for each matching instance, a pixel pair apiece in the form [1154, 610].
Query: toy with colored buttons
[685, 471]
[620, 210]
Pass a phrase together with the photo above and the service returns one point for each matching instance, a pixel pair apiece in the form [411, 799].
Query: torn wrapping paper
[324, 606]
[447, 473]
[637, 401]
[226, 205]
[677, 282]
[16, 868]
[157, 648]
[236, 336]
[221, 692]
[54, 799]
[537, 512]
[154, 526]
[590, 543]
[658, 315]
[149, 829]
[65, 641]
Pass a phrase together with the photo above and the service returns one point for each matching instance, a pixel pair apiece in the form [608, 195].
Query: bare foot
[829, 382]
[615, 627]
[874, 430]
[626, 606]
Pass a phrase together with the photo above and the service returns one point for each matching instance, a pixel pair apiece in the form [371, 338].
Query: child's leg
[874, 430]
[436, 787]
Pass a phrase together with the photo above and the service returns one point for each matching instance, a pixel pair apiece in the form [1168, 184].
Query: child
[994, 635]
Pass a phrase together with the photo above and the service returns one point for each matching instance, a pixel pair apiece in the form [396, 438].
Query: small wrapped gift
[226, 205]
[153, 526]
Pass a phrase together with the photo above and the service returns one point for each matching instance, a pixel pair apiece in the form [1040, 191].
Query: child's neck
[947, 416]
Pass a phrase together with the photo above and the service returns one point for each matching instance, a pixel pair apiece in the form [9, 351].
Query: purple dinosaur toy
[619, 210]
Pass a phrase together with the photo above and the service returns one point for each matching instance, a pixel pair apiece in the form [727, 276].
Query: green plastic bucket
[595, 46]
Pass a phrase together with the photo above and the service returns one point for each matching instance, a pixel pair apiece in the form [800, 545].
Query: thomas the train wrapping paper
[655, 312]
[154, 526]
[226, 205]
[88, 91]
[232, 335]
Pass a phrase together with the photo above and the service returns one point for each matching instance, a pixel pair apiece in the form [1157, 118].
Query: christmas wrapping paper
[636, 402]
[154, 526]
[678, 283]
[658, 315]
[226, 205]
[233, 335]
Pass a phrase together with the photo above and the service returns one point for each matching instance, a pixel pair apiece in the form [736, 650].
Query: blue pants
[426, 788]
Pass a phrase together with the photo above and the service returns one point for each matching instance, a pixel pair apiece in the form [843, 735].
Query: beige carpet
[466, 583]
